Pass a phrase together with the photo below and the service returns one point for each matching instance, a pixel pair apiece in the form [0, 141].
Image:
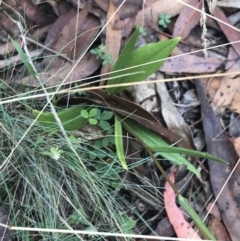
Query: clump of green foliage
[102, 118]
[164, 20]
[142, 31]
[90, 115]
[100, 53]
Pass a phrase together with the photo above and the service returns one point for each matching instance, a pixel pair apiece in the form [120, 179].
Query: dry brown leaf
[187, 19]
[225, 93]
[236, 143]
[89, 29]
[218, 230]
[182, 228]
[221, 147]
[60, 7]
[35, 14]
[82, 26]
[150, 14]
[88, 65]
[113, 39]
[188, 63]
[8, 25]
[7, 48]
[128, 24]
[171, 115]
[103, 4]
[58, 25]
[127, 10]
[231, 96]
[148, 3]
[212, 5]
[191, 64]
[236, 102]
[211, 86]
[231, 34]
[215, 212]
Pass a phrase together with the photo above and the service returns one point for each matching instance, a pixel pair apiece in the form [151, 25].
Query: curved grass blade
[150, 138]
[171, 149]
[197, 220]
[119, 143]
[23, 57]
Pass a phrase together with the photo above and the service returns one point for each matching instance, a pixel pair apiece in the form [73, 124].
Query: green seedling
[3, 86]
[97, 153]
[54, 153]
[90, 116]
[78, 218]
[128, 225]
[164, 20]
[107, 59]
[100, 53]
[103, 121]
[103, 118]
[142, 31]
[80, 93]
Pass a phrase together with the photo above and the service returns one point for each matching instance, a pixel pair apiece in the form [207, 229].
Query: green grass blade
[150, 138]
[119, 143]
[24, 57]
[171, 149]
[197, 220]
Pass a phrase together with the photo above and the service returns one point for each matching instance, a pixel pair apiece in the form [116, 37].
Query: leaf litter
[72, 40]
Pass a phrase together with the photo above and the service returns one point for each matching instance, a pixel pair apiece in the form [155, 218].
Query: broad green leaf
[23, 57]
[71, 118]
[105, 142]
[109, 131]
[98, 144]
[84, 114]
[92, 156]
[93, 121]
[79, 217]
[111, 139]
[128, 225]
[107, 115]
[142, 56]
[98, 114]
[104, 125]
[197, 220]
[123, 58]
[92, 112]
[151, 138]
[119, 143]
